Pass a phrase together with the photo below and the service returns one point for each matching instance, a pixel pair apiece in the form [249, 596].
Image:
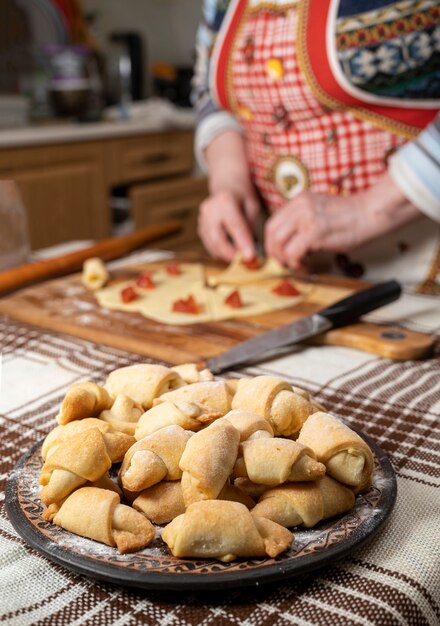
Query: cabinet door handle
[159, 157]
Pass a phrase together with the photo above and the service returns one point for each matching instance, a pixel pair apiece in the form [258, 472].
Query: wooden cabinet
[66, 187]
[63, 189]
[150, 157]
[176, 199]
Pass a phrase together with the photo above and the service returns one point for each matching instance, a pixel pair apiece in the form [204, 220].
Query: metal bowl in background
[69, 78]
[69, 102]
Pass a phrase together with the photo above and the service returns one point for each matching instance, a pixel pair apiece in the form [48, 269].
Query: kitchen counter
[147, 117]
[66, 171]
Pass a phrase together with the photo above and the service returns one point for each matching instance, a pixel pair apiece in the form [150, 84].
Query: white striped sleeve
[415, 169]
[211, 120]
[208, 128]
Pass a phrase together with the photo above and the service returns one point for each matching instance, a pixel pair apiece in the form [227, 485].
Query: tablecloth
[392, 580]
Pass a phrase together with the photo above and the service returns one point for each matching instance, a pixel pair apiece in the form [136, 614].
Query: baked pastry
[347, 457]
[80, 458]
[214, 396]
[58, 434]
[191, 373]
[99, 515]
[272, 461]
[187, 415]
[225, 531]
[117, 443]
[123, 415]
[233, 493]
[105, 482]
[154, 458]
[316, 406]
[274, 399]
[249, 425]
[94, 274]
[232, 385]
[208, 461]
[193, 436]
[253, 490]
[304, 504]
[143, 382]
[83, 400]
[162, 502]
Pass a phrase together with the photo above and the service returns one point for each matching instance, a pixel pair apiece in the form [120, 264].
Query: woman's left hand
[313, 221]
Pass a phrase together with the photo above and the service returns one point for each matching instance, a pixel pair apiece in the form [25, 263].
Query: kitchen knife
[338, 314]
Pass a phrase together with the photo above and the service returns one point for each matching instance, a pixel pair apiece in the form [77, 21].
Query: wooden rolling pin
[106, 249]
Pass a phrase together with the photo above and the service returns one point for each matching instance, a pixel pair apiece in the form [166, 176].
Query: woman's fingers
[295, 250]
[223, 228]
[240, 232]
[214, 236]
[280, 227]
[252, 208]
[296, 229]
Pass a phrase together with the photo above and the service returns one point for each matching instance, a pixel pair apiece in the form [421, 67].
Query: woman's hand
[226, 225]
[312, 221]
[227, 218]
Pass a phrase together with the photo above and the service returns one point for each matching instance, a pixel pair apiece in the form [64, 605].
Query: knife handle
[350, 309]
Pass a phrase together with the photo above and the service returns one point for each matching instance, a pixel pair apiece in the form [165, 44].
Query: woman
[309, 111]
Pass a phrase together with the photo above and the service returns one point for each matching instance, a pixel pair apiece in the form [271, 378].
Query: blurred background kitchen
[96, 125]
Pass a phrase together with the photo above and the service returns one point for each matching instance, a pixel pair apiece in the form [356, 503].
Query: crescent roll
[192, 374]
[83, 400]
[162, 502]
[123, 415]
[272, 461]
[253, 490]
[214, 396]
[274, 399]
[105, 482]
[94, 274]
[208, 460]
[346, 456]
[233, 493]
[304, 504]
[117, 443]
[153, 459]
[99, 515]
[143, 382]
[58, 434]
[187, 415]
[249, 425]
[81, 458]
[225, 531]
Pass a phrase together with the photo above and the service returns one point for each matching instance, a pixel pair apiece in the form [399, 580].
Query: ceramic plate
[156, 568]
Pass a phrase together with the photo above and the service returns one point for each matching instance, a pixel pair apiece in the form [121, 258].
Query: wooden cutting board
[64, 305]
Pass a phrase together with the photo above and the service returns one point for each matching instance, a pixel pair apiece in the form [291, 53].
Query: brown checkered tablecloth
[394, 579]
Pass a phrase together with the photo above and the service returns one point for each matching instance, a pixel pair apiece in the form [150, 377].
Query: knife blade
[339, 314]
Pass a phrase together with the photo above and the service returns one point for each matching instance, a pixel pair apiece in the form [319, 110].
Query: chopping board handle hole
[397, 335]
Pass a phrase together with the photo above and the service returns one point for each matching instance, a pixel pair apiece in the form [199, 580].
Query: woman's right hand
[227, 218]
[226, 225]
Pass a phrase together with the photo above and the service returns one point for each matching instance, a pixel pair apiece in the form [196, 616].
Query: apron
[317, 118]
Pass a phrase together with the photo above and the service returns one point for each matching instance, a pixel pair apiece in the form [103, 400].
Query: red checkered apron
[294, 142]
[267, 68]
